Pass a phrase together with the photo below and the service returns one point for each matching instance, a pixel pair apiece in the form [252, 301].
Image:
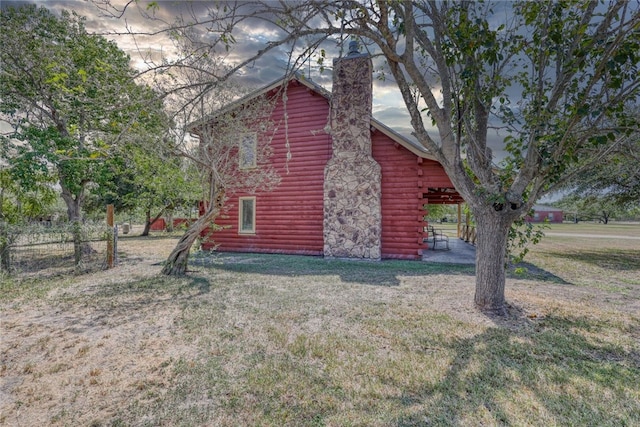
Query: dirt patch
[69, 352]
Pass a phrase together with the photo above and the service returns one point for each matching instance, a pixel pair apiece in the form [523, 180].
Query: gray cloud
[252, 36]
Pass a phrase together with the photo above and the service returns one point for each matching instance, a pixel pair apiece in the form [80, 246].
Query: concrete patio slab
[459, 252]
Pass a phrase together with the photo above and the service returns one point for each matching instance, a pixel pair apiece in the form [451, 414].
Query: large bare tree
[550, 80]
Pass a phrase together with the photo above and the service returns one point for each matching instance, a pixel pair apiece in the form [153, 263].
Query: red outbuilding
[350, 187]
[542, 213]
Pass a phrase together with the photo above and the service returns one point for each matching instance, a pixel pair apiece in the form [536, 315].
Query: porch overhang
[442, 196]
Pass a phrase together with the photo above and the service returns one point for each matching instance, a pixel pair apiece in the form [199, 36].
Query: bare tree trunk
[74, 213]
[169, 216]
[5, 247]
[149, 221]
[491, 252]
[147, 224]
[176, 264]
[5, 256]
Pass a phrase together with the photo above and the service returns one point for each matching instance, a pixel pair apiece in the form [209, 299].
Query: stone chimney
[352, 178]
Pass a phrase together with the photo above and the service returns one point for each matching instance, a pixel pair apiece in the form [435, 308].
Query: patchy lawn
[301, 341]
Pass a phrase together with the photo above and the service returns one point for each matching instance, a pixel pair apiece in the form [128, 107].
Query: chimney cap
[354, 52]
[354, 49]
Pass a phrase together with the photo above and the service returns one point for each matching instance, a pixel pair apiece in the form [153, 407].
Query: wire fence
[42, 250]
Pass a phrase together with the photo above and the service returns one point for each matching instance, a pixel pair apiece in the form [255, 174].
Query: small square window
[247, 215]
[247, 150]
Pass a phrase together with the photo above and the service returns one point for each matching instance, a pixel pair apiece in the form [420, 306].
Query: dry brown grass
[278, 340]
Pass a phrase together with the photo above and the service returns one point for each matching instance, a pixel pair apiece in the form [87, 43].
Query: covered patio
[444, 247]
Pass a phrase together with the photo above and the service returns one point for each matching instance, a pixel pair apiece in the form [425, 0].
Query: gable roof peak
[296, 76]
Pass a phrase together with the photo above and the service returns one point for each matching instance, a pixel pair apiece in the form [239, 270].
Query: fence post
[110, 240]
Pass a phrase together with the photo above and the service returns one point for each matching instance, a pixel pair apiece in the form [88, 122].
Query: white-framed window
[247, 150]
[550, 216]
[247, 215]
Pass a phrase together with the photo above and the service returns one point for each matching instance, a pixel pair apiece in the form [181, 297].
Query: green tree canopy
[590, 208]
[131, 182]
[614, 179]
[70, 98]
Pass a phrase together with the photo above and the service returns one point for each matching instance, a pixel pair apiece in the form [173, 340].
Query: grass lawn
[266, 340]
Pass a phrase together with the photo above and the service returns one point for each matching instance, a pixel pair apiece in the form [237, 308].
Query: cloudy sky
[388, 105]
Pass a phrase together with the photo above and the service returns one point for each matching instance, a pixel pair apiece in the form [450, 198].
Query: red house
[543, 213]
[350, 188]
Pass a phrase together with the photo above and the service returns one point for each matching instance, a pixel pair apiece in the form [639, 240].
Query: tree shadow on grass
[528, 271]
[119, 302]
[383, 273]
[556, 370]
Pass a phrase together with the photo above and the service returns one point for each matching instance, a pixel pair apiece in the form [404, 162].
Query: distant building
[548, 213]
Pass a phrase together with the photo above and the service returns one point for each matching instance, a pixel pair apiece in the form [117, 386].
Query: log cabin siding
[401, 201]
[405, 178]
[290, 218]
